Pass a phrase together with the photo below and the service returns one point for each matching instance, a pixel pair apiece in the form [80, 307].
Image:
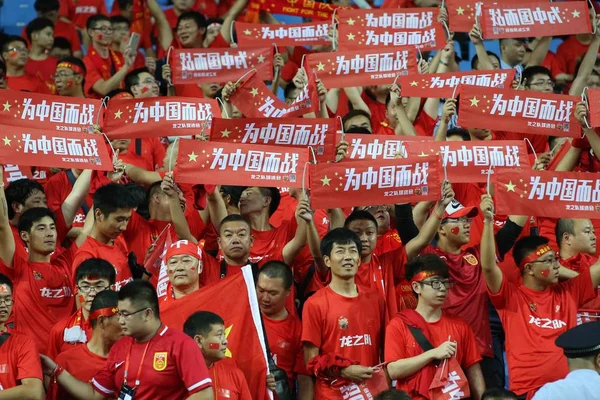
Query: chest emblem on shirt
[343, 322]
[471, 259]
[557, 309]
[37, 276]
[160, 361]
[532, 306]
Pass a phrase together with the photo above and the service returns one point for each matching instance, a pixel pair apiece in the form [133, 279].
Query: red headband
[71, 66]
[421, 276]
[183, 247]
[537, 253]
[105, 312]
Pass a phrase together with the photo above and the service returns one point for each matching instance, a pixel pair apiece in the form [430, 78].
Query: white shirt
[579, 384]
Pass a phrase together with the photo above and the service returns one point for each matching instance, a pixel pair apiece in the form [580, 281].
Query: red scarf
[116, 63]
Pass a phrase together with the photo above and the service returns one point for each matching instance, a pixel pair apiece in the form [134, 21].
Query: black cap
[581, 341]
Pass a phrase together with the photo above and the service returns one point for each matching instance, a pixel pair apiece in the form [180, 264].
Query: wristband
[436, 215]
[56, 371]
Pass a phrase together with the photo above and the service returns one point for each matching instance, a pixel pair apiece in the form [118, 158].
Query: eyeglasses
[149, 81]
[457, 221]
[19, 49]
[549, 261]
[104, 29]
[437, 285]
[64, 76]
[7, 300]
[128, 315]
[88, 289]
[543, 83]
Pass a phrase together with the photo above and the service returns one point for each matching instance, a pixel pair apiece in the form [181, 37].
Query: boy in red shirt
[40, 33]
[65, 29]
[208, 331]
[15, 55]
[342, 319]
[537, 312]
[79, 11]
[449, 336]
[21, 375]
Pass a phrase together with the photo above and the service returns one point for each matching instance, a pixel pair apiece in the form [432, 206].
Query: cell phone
[134, 41]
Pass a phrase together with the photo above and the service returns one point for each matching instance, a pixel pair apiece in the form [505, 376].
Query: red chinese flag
[319, 134]
[47, 112]
[367, 389]
[220, 65]
[372, 28]
[15, 172]
[449, 382]
[462, 13]
[443, 86]
[374, 182]
[238, 306]
[307, 100]
[363, 67]
[547, 193]
[257, 35]
[535, 19]
[33, 147]
[594, 104]
[159, 116]
[306, 8]
[518, 111]
[240, 164]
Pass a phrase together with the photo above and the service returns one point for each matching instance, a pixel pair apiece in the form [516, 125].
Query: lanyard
[139, 372]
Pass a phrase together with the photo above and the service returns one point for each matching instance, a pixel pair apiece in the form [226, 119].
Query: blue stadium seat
[15, 14]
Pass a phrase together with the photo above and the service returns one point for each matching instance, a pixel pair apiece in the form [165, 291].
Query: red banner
[462, 13]
[47, 112]
[470, 161]
[443, 85]
[547, 193]
[374, 182]
[57, 149]
[418, 27]
[362, 67]
[15, 172]
[305, 8]
[319, 134]
[240, 164]
[307, 34]
[535, 19]
[594, 105]
[378, 147]
[220, 65]
[518, 111]
[159, 116]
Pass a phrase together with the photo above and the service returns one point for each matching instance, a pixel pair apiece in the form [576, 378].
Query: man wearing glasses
[415, 339]
[16, 54]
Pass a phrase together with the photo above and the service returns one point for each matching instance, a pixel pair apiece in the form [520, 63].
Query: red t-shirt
[381, 274]
[401, 344]
[173, 368]
[580, 263]
[553, 64]
[69, 32]
[19, 359]
[68, 333]
[115, 254]
[268, 245]
[229, 381]
[569, 53]
[27, 83]
[78, 11]
[42, 293]
[532, 321]
[151, 156]
[44, 69]
[99, 68]
[81, 363]
[352, 327]
[57, 189]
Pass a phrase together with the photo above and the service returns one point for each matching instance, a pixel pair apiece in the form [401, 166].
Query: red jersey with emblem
[173, 367]
[229, 381]
[68, 333]
[115, 254]
[42, 293]
[532, 321]
[19, 359]
[27, 83]
[78, 11]
[268, 245]
[580, 263]
[352, 327]
[389, 241]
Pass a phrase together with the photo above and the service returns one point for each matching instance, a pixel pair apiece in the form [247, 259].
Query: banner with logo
[462, 14]
[220, 65]
[240, 164]
[518, 111]
[304, 8]
[159, 116]
[319, 134]
[48, 112]
[362, 67]
[264, 35]
[374, 182]
[535, 19]
[31, 147]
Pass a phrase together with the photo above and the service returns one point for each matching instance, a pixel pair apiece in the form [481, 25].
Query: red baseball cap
[457, 210]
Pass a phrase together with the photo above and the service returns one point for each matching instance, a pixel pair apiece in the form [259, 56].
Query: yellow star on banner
[225, 133]
[320, 67]
[227, 332]
[510, 187]
[254, 92]
[460, 11]
[118, 114]
[326, 181]
[350, 36]
[6, 106]
[247, 32]
[575, 14]
[6, 141]
[414, 83]
[193, 157]
[422, 154]
[351, 22]
[475, 102]
[261, 58]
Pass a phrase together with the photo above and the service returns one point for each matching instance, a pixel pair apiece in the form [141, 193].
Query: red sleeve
[158, 152]
[242, 384]
[501, 299]
[28, 364]
[19, 262]
[395, 341]
[103, 382]
[191, 365]
[219, 42]
[196, 223]
[580, 288]
[470, 353]
[53, 191]
[80, 257]
[425, 124]
[91, 77]
[63, 10]
[312, 323]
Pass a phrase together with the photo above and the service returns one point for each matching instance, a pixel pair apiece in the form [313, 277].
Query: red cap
[184, 247]
[457, 210]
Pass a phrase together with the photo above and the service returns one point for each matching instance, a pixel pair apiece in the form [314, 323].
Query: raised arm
[75, 387]
[29, 389]
[182, 228]
[540, 52]
[232, 15]
[491, 272]
[165, 33]
[304, 216]
[404, 126]
[587, 65]
[448, 111]
[103, 87]
[483, 58]
[7, 244]
[217, 208]
[73, 201]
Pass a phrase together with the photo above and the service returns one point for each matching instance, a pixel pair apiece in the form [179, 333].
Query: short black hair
[113, 196]
[200, 323]
[289, 88]
[44, 6]
[94, 19]
[530, 72]
[133, 77]
[12, 38]
[5, 280]
[427, 262]
[564, 225]
[123, 4]
[393, 394]
[463, 133]
[19, 191]
[137, 193]
[233, 218]
[234, 191]
[142, 294]
[75, 61]
[119, 19]
[33, 215]
[475, 59]
[355, 113]
[97, 268]
[278, 269]
[498, 394]
[104, 299]
[37, 25]
[115, 92]
[360, 215]
[527, 245]
[62, 43]
[198, 18]
[340, 236]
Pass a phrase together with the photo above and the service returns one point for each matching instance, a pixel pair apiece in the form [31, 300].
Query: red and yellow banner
[547, 193]
[462, 13]
[257, 35]
[159, 116]
[373, 182]
[220, 65]
[518, 111]
[362, 67]
[240, 164]
[304, 8]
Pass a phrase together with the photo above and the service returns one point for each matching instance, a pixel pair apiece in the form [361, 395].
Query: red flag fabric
[156, 265]
[257, 35]
[470, 161]
[547, 193]
[233, 299]
[375, 182]
[443, 86]
[382, 28]
[462, 13]
[374, 147]
[367, 389]
[33, 147]
[306, 9]
[307, 100]
[15, 172]
[220, 65]
[449, 382]
[535, 19]
[160, 116]
[240, 164]
[594, 105]
[518, 111]
[47, 112]
[320, 134]
[363, 67]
